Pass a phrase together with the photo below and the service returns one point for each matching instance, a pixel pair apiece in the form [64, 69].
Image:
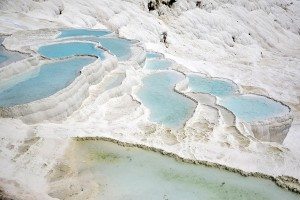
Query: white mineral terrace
[224, 88]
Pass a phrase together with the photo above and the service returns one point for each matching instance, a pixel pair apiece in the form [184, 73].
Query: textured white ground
[263, 59]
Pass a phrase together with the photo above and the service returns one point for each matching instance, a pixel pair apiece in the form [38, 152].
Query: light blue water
[252, 107]
[82, 32]
[63, 50]
[151, 55]
[41, 83]
[158, 64]
[134, 174]
[7, 57]
[117, 46]
[166, 106]
[2, 58]
[215, 87]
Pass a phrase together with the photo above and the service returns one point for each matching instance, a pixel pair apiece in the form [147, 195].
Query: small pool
[83, 32]
[117, 46]
[253, 107]
[211, 86]
[166, 106]
[133, 173]
[158, 64]
[68, 49]
[152, 55]
[42, 82]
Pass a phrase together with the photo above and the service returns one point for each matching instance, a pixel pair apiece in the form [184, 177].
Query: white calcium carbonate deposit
[255, 43]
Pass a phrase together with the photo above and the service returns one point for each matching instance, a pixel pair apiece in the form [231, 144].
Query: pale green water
[132, 173]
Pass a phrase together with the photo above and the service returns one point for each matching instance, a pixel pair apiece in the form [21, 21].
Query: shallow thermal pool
[133, 173]
[117, 46]
[83, 32]
[166, 106]
[42, 82]
[68, 49]
[152, 55]
[211, 86]
[253, 107]
[158, 64]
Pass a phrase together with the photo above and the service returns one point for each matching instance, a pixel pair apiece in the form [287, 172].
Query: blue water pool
[117, 46]
[83, 32]
[157, 64]
[63, 50]
[212, 86]
[166, 106]
[41, 83]
[151, 55]
[253, 108]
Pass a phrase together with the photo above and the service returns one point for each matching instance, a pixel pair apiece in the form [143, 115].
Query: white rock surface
[254, 43]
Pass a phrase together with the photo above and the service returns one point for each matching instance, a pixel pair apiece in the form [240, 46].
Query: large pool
[166, 106]
[216, 87]
[83, 32]
[133, 173]
[68, 49]
[42, 82]
[253, 107]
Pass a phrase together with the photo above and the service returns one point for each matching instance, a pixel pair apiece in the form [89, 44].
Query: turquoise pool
[166, 106]
[158, 64]
[42, 82]
[152, 55]
[68, 49]
[253, 107]
[83, 32]
[133, 173]
[117, 46]
[211, 86]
